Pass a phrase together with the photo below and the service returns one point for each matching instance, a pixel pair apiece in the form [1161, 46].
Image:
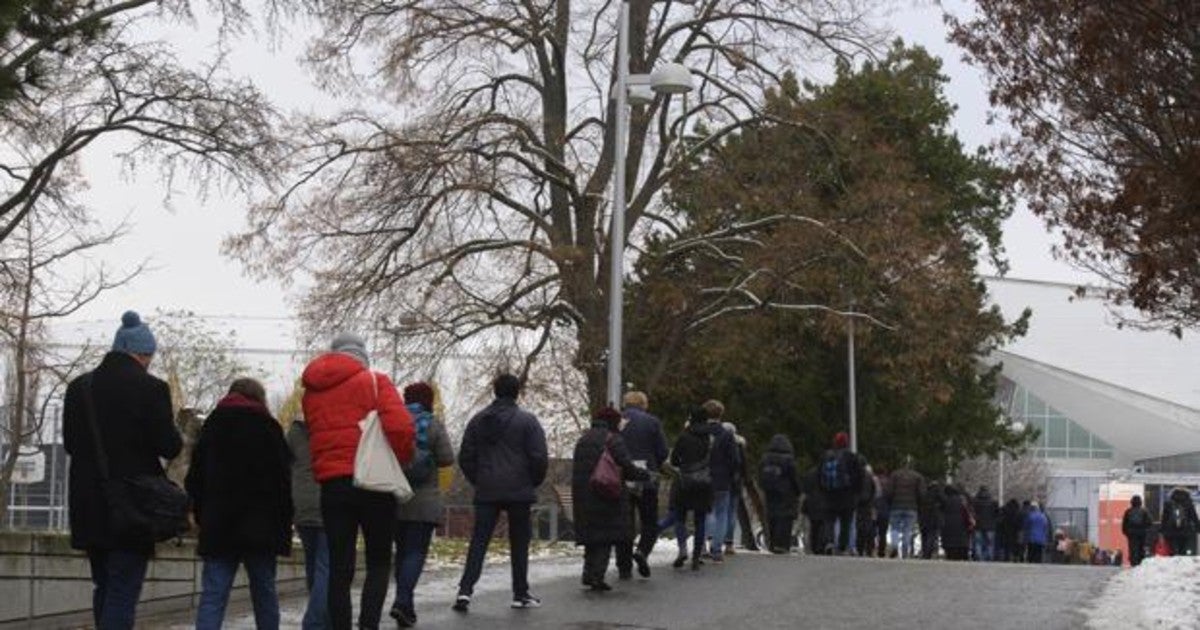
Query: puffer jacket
[338, 393]
[503, 454]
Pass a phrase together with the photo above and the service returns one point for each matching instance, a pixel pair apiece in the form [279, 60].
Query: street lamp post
[853, 386]
[1015, 427]
[671, 78]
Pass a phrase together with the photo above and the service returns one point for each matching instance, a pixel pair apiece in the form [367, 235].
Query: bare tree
[38, 285]
[472, 200]
[1025, 477]
[74, 72]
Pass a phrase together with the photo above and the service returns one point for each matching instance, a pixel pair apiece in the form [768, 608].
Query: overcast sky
[183, 241]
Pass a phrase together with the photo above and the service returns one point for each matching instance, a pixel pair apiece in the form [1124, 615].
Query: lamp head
[671, 78]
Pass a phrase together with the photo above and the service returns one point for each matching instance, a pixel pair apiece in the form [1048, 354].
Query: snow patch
[1161, 593]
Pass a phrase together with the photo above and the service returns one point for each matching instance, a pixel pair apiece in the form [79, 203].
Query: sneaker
[679, 561]
[718, 559]
[462, 603]
[529, 601]
[729, 549]
[643, 567]
[625, 575]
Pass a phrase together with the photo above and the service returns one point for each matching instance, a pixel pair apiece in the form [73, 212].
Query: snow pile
[1161, 593]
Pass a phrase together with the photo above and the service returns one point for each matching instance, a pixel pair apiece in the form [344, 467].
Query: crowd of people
[249, 487]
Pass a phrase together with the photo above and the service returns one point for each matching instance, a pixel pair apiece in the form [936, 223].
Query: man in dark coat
[690, 456]
[132, 411]
[240, 486]
[816, 509]
[1179, 522]
[840, 474]
[600, 522]
[643, 435]
[1008, 532]
[503, 454]
[987, 510]
[904, 491]
[778, 479]
[1134, 524]
[929, 517]
[956, 528]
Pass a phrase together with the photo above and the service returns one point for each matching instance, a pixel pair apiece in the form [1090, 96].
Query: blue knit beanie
[134, 336]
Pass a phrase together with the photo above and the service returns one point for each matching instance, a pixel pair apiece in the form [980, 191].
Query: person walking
[904, 491]
[929, 515]
[1179, 522]
[643, 436]
[723, 464]
[883, 510]
[815, 508]
[841, 479]
[956, 523]
[340, 390]
[240, 487]
[306, 500]
[131, 413]
[777, 477]
[692, 491]
[1134, 525]
[1036, 534]
[503, 455]
[862, 543]
[417, 518]
[987, 511]
[735, 489]
[600, 521]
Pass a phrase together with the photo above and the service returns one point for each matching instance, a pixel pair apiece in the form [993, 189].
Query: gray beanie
[353, 345]
[134, 336]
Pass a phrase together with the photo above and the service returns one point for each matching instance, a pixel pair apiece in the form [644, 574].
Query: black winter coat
[816, 505]
[600, 520]
[723, 459]
[1190, 523]
[133, 412]
[778, 480]
[503, 454]
[929, 508]
[691, 449]
[986, 511]
[954, 522]
[1008, 530]
[240, 482]
[1136, 521]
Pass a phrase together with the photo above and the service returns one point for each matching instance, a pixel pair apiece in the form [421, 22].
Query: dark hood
[780, 444]
[496, 419]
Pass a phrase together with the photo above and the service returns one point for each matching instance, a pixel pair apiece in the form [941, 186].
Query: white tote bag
[375, 464]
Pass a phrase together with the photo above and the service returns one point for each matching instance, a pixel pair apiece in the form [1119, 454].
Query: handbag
[139, 506]
[605, 480]
[696, 478]
[375, 465]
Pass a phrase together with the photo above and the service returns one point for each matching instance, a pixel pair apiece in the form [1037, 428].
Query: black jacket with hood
[778, 479]
[503, 454]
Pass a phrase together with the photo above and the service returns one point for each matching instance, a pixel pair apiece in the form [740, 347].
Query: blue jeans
[316, 577]
[217, 581]
[718, 519]
[520, 531]
[903, 524]
[117, 578]
[412, 545]
[983, 542]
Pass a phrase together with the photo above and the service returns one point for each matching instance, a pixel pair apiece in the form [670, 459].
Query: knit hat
[420, 393]
[134, 336]
[610, 416]
[841, 440]
[353, 345]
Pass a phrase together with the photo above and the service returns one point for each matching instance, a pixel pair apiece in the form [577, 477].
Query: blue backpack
[835, 471]
[422, 467]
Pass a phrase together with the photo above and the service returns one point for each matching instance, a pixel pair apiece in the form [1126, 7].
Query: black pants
[1033, 553]
[845, 520]
[956, 553]
[779, 529]
[816, 536]
[1137, 548]
[595, 562]
[1181, 544]
[345, 510]
[929, 542]
[881, 532]
[520, 531]
[645, 508]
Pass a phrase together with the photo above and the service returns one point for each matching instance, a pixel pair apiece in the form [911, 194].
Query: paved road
[758, 591]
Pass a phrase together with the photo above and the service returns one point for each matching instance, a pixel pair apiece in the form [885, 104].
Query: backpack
[1138, 518]
[422, 467]
[835, 471]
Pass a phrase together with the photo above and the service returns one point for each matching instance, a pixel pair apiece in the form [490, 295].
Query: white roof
[1135, 389]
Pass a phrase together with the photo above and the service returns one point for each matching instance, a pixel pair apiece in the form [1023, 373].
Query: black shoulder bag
[140, 507]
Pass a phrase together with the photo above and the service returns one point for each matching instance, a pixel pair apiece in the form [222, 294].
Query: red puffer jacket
[338, 393]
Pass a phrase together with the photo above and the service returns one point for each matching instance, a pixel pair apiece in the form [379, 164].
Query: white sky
[183, 242]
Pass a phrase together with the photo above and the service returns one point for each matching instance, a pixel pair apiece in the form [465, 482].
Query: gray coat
[426, 504]
[306, 494]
